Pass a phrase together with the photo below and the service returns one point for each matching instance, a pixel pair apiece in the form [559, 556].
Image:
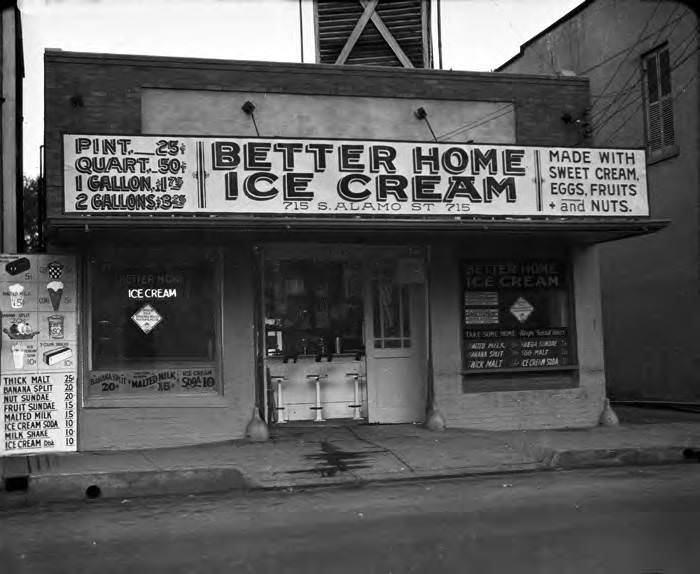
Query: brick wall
[95, 93]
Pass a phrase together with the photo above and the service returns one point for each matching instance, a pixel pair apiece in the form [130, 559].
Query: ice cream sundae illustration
[55, 289]
[16, 296]
[55, 270]
[21, 330]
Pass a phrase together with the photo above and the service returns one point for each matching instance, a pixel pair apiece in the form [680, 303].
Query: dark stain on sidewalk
[332, 460]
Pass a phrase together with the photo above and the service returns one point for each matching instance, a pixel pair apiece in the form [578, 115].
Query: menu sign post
[38, 356]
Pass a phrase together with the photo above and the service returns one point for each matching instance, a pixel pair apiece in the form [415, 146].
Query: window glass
[665, 72]
[153, 324]
[391, 304]
[515, 314]
[652, 79]
[313, 307]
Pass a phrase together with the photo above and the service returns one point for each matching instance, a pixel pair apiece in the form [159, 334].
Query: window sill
[661, 155]
[522, 379]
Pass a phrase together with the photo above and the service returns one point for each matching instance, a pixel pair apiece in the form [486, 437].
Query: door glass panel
[390, 303]
[405, 315]
[313, 307]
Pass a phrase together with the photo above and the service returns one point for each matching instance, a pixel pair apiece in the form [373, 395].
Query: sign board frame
[166, 175]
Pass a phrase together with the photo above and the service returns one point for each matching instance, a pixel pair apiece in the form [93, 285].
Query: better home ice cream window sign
[39, 353]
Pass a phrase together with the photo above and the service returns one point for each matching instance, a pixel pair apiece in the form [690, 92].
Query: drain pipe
[433, 418]
[257, 430]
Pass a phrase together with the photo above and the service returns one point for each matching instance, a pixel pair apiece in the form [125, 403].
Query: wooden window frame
[524, 378]
[213, 398]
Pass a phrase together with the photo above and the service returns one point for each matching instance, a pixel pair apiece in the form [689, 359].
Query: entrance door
[395, 328]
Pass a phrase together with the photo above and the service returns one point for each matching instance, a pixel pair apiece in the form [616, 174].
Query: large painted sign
[147, 175]
[38, 357]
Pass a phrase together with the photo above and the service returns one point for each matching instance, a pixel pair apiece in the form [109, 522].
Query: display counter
[309, 387]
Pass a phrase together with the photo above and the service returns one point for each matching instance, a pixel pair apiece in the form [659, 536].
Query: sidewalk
[302, 457]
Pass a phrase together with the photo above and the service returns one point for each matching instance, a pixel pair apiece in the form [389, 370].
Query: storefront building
[328, 243]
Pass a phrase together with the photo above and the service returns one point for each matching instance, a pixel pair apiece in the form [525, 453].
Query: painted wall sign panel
[147, 175]
[38, 356]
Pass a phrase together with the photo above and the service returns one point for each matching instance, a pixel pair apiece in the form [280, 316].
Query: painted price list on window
[38, 356]
[516, 348]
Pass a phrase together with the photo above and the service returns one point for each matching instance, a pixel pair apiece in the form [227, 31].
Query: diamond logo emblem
[146, 318]
[521, 309]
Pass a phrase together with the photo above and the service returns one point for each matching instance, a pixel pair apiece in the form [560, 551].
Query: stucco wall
[553, 400]
[302, 115]
[224, 417]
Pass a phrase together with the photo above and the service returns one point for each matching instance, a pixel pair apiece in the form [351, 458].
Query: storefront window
[313, 307]
[154, 323]
[516, 315]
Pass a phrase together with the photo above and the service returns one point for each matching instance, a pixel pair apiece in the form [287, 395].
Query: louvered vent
[365, 32]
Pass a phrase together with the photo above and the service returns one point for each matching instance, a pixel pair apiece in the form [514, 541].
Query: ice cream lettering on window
[38, 357]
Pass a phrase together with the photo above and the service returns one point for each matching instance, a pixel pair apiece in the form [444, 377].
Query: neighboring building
[642, 61]
[11, 128]
[291, 236]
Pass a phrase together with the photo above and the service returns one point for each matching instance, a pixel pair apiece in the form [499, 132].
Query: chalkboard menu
[515, 315]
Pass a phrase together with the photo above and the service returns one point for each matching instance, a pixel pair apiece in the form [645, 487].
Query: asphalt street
[636, 520]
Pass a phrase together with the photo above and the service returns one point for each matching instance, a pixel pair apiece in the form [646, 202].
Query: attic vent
[373, 32]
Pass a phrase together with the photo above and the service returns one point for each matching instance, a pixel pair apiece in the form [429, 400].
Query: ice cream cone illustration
[55, 289]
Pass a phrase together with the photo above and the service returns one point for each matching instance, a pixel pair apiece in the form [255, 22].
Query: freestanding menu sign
[38, 356]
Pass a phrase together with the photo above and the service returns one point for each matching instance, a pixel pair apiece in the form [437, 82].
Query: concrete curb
[184, 481]
[630, 456]
[126, 484]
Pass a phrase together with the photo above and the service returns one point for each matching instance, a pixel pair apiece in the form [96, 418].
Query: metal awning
[579, 230]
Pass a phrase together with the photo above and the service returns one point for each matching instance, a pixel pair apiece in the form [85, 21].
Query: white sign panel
[38, 354]
[147, 318]
[120, 175]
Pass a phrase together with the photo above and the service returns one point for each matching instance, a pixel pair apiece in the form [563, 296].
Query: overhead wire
[486, 121]
[625, 102]
[632, 46]
[471, 123]
[598, 116]
[676, 64]
[679, 61]
[639, 99]
[680, 92]
[616, 54]
[626, 90]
